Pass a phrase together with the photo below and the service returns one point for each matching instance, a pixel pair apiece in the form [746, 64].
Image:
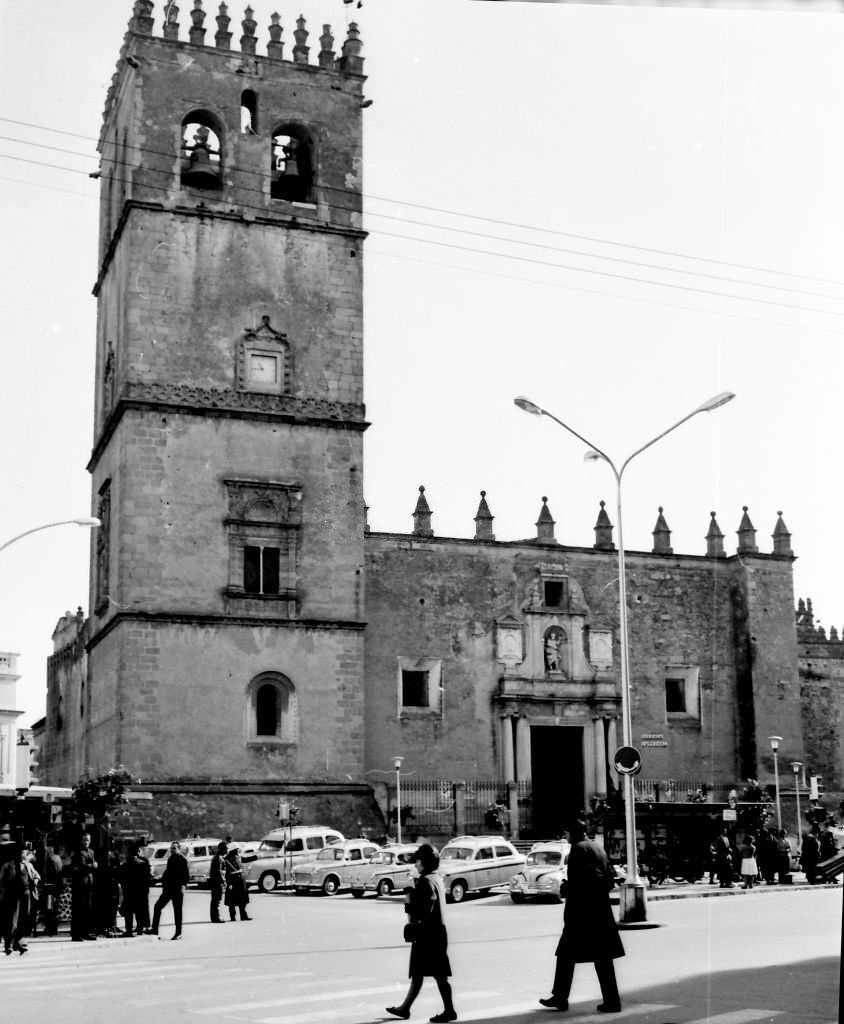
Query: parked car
[280, 850]
[332, 869]
[476, 864]
[388, 871]
[199, 852]
[544, 874]
[156, 854]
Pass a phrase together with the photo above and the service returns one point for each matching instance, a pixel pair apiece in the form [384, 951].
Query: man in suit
[174, 881]
[217, 881]
[83, 865]
[589, 934]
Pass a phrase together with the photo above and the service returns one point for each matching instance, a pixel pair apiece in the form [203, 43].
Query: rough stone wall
[769, 688]
[822, 710]
[440, 599]
[61, 756]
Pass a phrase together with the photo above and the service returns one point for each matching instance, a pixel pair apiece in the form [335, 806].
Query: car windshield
[271, 845]
[545, 857]
[456, 853]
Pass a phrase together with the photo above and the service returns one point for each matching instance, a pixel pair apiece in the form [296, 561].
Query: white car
[332, 869]
[545, 872]
[388, 871]
[476, 864]
[271, 865]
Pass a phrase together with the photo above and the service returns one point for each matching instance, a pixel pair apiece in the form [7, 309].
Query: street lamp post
[397, 765]
[632, 907]
[89, 521]
[795, 767]
[775, 746]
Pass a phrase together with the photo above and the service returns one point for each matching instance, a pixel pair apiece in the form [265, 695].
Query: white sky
[713, 136]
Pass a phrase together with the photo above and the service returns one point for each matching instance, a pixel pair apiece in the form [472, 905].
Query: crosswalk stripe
[493, 1013]
[629, 1010]
[297, 1000]
[746, 1016]
[101, 970]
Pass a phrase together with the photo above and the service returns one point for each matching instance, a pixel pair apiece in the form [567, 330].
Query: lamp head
[526, 405]
[89, 521]
[397, 762]
[796, 766]
[716, 401]
[775, 742]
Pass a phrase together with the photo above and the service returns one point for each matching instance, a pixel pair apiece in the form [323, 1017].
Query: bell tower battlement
[230, 224]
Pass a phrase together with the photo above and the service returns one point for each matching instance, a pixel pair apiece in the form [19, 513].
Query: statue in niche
[554, 649]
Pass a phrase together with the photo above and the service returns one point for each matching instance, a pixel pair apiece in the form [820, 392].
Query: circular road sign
[627, 761]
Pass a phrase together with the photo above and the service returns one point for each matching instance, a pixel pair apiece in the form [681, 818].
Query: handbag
[412, 931]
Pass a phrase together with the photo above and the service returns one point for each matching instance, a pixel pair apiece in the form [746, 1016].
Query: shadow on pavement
[805, 993]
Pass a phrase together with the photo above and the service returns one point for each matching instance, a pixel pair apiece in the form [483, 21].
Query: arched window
[248, 112]
[201, 151]
[293, 164]
[271, 709]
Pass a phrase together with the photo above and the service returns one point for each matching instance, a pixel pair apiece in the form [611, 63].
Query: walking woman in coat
[429, 949]
[589, 934]
[14, 900]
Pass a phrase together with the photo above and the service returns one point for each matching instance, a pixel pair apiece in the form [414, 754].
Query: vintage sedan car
[331, 870]
[156, 854]
[544, 874]
[388, 871]
[476, 864]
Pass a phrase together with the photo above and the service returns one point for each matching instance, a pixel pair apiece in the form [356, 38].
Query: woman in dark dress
[429, 948]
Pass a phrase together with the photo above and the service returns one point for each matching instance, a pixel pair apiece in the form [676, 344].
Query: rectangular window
[682, 695]
[419, 687]
[675, 696]
[314, 842]
[261, 569]
[554, 590]
[414, 688]
[294, 846]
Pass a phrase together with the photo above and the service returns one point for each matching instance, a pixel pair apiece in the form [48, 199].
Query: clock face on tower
[262, 368]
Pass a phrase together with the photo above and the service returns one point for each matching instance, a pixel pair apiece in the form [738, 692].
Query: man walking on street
[173, 884]
[590, 934]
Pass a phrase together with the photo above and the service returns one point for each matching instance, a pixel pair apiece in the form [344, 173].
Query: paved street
[762, 956]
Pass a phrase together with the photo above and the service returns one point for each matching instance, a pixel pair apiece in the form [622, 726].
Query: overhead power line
[494, 220]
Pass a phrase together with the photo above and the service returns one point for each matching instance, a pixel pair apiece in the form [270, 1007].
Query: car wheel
[268, 882]
[331, 885]
[357, 893]
[564, 891]
[457, 892]
[517, 897]
[385, 887]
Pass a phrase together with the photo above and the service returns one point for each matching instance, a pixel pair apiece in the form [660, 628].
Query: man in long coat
[217, 881]
[135, 880]
[589, 934]
[83, 864]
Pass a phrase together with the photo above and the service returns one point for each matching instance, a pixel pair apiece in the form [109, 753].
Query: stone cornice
[203, 620]
[228, 403]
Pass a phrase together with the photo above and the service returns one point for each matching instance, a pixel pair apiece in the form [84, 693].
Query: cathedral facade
[249, 639]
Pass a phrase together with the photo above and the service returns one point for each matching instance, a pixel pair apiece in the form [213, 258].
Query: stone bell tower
[226, 597]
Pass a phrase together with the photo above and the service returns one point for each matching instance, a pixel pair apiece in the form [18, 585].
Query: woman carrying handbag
[427, 934]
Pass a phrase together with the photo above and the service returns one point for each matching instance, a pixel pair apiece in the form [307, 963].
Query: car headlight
[518, 879]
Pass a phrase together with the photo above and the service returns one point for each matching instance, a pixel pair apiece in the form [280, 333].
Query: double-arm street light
[632, 898]
[89, 521]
